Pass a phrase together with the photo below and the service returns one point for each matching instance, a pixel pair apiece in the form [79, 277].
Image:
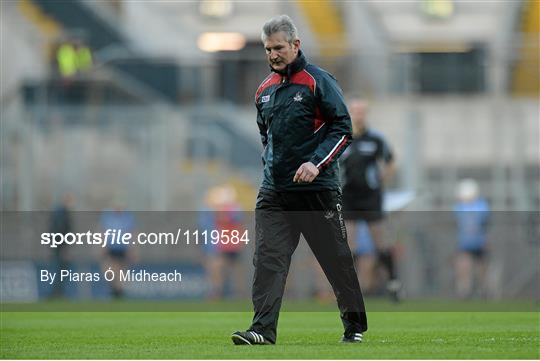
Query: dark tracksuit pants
[280, 218]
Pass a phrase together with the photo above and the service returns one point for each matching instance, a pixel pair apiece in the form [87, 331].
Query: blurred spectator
[368, 163]
[117, 255]
[72, 57]
[366, 258]
[223, 260]
[61, 222]
[472, 215]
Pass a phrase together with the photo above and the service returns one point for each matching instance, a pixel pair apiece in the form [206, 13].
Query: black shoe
[352, 338]
[249, 338]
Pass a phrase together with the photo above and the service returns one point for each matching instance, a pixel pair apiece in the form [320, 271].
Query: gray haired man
[304, 127]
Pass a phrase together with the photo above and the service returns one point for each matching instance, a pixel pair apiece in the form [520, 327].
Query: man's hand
[306, 173]
[388, 171]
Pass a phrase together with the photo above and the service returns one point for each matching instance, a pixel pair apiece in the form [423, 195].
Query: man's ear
[296, 44]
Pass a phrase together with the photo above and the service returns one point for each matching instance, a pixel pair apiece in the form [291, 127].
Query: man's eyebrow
[274, 47]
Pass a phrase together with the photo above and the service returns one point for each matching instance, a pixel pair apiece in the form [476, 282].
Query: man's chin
[278, 68]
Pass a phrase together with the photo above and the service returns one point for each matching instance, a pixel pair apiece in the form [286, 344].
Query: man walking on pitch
[304, 126]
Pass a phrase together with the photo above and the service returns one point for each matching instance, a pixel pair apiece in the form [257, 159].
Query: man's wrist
[315, 161]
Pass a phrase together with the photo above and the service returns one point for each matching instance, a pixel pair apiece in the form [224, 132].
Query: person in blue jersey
[367, 165]
[366, 256]
[117, 255]
[304, 126]
[472, 218]
[61, 222]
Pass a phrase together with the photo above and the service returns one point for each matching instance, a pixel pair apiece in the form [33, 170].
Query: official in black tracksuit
[367, 164]
[304, 126]
[363, 176]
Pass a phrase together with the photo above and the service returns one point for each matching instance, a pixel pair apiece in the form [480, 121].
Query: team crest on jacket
[298, 97]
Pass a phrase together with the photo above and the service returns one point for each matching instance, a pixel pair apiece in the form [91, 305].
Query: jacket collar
[297, 65]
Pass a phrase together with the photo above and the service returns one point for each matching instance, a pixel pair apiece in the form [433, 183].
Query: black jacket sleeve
[263, 131]
[335, 114]
[262, 128]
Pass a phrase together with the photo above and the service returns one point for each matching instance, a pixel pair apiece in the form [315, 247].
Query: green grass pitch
[302, 335]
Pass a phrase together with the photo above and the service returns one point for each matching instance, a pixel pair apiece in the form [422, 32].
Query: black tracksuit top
[302, 117]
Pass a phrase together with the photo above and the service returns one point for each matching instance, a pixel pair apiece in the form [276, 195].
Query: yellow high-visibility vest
[84, 58]
[66, 57]
[71, 60]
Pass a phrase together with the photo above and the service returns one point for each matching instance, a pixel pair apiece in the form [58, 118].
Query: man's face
[279, 51]
[358, 110]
